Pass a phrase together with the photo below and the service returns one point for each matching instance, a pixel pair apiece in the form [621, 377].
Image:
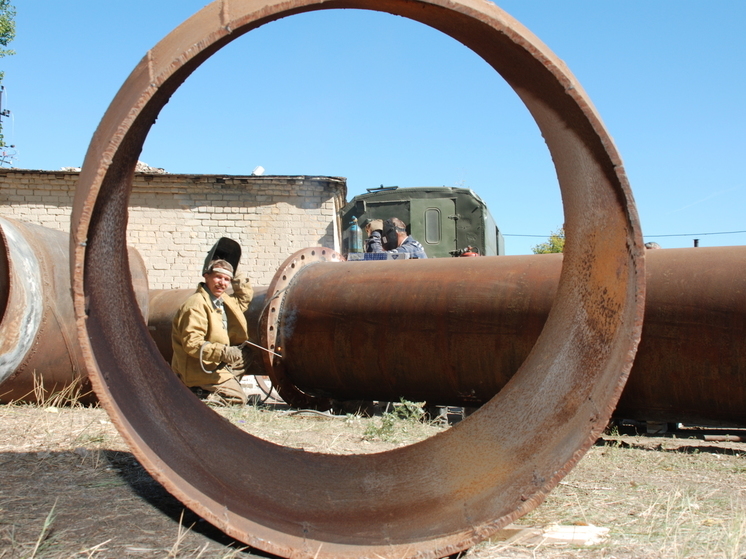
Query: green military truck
[446, 220]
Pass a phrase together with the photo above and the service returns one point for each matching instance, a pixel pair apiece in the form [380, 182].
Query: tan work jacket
[197, 322]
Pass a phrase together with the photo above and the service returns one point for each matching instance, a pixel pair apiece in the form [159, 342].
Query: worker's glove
[241, 284]
[373, 226]
[232, 355]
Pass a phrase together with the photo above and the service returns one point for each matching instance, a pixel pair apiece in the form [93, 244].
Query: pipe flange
[271, 325]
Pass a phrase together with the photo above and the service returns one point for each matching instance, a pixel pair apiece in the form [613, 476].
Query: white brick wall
[175, 219]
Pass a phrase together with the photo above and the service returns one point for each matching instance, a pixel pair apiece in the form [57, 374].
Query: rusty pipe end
[460, 486]
[270, 327]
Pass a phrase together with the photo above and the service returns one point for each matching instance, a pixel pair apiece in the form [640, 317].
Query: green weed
[395, 422]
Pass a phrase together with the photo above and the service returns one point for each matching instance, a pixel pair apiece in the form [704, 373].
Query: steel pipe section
[691, 363]
[460, 340]
[163, 305]
[39, 351]
[460, 486]
[448, 331]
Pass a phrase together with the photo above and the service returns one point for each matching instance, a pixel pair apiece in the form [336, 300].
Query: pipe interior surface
[4, 274]
[39, 353]
[459, 486]
[23, 294]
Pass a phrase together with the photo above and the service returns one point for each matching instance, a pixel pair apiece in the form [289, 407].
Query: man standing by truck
[396, 239]
[374, 230]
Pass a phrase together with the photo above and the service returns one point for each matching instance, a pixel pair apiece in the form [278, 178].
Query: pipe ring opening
[459, 486]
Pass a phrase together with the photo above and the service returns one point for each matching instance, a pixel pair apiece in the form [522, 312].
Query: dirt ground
[69, 487]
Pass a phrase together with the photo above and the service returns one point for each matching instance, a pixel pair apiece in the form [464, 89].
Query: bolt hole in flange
[459, 486]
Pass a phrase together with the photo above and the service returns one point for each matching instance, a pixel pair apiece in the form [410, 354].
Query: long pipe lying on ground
[455, 331]
[39, 350]
[366, 331]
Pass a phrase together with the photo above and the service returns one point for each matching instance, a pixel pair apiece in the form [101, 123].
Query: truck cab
[445, 220]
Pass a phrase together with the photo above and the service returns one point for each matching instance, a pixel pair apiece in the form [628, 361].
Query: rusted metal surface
[691, 363]
[448, 331]
[278, 317]
[161, 312]
[459, 487]
[453, 332]
[37, 324]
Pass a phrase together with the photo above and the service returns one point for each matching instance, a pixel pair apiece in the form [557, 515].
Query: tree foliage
[555, 243]
[7, 27]
[7, 34]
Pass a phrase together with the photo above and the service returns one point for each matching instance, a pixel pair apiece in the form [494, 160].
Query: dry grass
[659, 498]
[670, 499]
[401, 425]
[69, 396]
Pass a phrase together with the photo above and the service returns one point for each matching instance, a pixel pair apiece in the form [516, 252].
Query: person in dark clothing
[396, 239]
[373, 230]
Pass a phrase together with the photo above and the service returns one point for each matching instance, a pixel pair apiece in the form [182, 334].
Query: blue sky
[380, 99]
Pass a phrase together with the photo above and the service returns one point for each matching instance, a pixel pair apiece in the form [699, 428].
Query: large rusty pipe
[691, 363]
[446, 331]
[454, 331]
[459, 486]
[162, 308]
[39, 352]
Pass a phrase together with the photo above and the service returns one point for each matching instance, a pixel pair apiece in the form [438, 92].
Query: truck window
[432, 226]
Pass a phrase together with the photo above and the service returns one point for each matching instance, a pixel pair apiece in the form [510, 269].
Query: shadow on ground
[101, 504]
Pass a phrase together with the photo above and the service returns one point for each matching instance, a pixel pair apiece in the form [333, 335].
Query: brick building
[174, 219]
